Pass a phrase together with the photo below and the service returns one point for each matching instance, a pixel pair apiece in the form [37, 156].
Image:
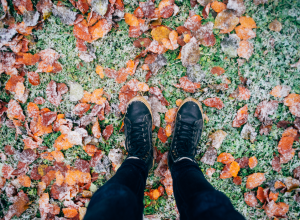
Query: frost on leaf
[193, 23]
[245, 49]
[148, 9]
[116, 156]
[195, 73]
[21, 203]
[158, 63]
[53, 96]
[156, 107]
[31, 18]
[160, 32]
[238, 6]
[210, 172]
[250, 199]
[225, 158]
[243, 162]
[210, 156]
[217, 70]
[187, 85]
[291, 183]
[81, 108]
[230, 45]
[218, 6]
[76, 91]
[66, 15]
[275, 26]
[162, 135]
[226, 21]
[241, 117]
[217, 138]
[226, 172]
[255, 180]
[248, 132]
[170, 115]
[190, 53]
[264, 109]
[252, 162]
[214, 102]
[205, 35]
[107, 132]
[15, 111]
[280, 91]
[204, 2]
[244, 33]
[45, 7]
[237, 180]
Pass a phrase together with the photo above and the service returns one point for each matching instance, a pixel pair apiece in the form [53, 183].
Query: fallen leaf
[275, 26]
[214, 102]
[250, 199]
[255, 180]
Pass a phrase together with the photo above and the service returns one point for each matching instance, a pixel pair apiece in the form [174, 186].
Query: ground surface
[264, 70]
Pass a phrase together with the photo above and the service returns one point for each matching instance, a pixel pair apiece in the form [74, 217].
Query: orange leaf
[273, 196]
[254, 180]
[244, 33]
[81, 31]
[261, 195]
[99, 71]
[87, 96]
[100, 29]
[245, 49]
[214, 102]
[217, 70]
[170, 115]
[96, 129]
[24, 180]
[218, 6]
[168, 130]
[90, 149]
[58, 156]
[69, 212]
[162, 135]
[252, 162]
[234, 168]
[247, 22]
[178, 102]
[160, 32]
[97, 97]
[226, 172]
[131, 20]
[225, 158]
[292, 100]
[250, 199]
[32, 110]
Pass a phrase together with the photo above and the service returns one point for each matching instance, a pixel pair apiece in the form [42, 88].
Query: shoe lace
[184, 137]
[136, 139]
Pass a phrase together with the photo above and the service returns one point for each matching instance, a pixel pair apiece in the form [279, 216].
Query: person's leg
[122, 196]
[195, 197]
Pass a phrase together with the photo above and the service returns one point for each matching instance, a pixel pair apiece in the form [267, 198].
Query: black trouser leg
[196, 198]
[122, 196]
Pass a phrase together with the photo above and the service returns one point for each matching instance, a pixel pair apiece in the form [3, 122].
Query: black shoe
[187, 131]
[138, 130]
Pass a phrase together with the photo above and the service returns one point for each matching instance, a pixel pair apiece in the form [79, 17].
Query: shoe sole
[143, 100]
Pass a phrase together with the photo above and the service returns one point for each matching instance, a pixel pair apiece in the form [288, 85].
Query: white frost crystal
[76, 91]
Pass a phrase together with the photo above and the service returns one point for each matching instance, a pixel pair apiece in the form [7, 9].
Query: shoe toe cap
[136, 111]
[190, 111]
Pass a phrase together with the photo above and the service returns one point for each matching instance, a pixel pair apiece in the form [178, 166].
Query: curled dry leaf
[241, 117]
[237, 180]
[187, 85]
[225, 174]
[214, 102]
[162, 135]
